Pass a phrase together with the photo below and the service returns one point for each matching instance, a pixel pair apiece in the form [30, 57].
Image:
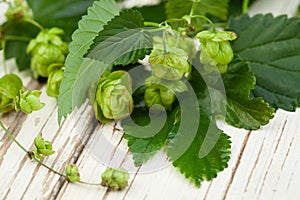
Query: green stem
[245, 6]
[17, 38]
[153, 24]
[205, 18]
[12, 137]
[86, 183]
[31, 21]
[193, 7]
[46, 166]
[174, 20]
[3, 44]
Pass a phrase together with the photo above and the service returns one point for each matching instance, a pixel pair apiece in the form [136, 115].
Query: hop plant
[72, 173]
[42, 148]
[162, 92]
[10, 86]
[216, 49]
[113, 98]
[54, 80]
[28, 101]
[115, 179]
[47, 48]
[169, 65]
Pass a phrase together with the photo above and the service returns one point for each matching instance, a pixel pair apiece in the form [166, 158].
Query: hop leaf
[72, 173]
[28, 101]
[41, 147]
[47, 48]
[55, 72]
[115, 179]
[113, 96]
[10, 85]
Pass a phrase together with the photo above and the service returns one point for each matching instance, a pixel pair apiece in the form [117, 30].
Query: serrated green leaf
[81, 72]
[191, 163]
[179, 8]
[123, 40]
[64, 14]
[271, 46]
[142, 148]
[242, 111]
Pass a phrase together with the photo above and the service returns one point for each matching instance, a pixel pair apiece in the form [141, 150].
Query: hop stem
[3, 44]
[33, 22]
[13, 138]
[245, 6]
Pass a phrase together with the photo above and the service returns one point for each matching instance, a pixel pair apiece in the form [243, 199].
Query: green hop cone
[28, 101]
[115, 179]
[72, 173]
[10, 85]
[47, 48]
[162, 92]
[170, 65]
[55, 72]
[42, 148]
[113, 97]
[18, 10]
[216, 49]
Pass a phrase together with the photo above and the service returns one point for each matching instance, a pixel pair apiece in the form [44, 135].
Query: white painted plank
[262, 154]
[276, 7]
[255, 158]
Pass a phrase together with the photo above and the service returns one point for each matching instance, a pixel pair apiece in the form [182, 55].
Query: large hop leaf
[271, 46]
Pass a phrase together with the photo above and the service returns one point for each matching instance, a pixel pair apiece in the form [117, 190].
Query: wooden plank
[264, 163]
[276, 7]
[251, 156]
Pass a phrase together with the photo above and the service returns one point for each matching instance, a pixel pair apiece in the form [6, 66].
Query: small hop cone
[216, 49]
[113, 98]
[115, 179]
[47, 48]
[28, 101]
[157, 95]
[55, 72]
[171, 65]
[162, 92]
[42, 148]
[72, 173]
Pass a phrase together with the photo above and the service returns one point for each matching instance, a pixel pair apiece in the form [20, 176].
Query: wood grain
[265, 164]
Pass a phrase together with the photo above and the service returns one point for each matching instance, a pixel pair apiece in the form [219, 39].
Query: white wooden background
[265, 164]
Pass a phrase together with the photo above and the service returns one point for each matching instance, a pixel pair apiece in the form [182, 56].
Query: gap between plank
[234, 170]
